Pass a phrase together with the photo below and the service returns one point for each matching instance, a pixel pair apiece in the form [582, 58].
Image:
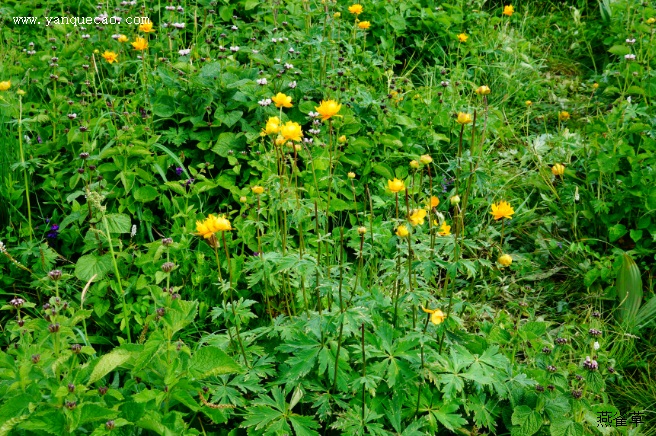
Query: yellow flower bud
[362, 230]
[505, 260]
[426, 159]
[243, 199]
[414, 164]
[402, 231]
[455, 200]
[342, 139]
[558, 170]
[351, 175]
[257, 190]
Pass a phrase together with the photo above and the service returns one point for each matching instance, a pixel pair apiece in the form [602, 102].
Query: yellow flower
[508, 10]
[595, 85]
[291, 130]
[96, 51]
[355, 9]
[223, 224]
[505, 260]
[337, 14]
[651, 20]
[243, 199]
[563, 116]
[122, 38]
[280, 140]
[140, 44]
[5, 85]
[342, 139]
[272, 125]
[483, 90]
[146, 27]
[417, 217]
[464, 118]
[396, 185]
[21, 92]
[203, 230]
[364, 25]
[110, 57]
[502, 209]
[463, 37]
[414, 164]
[437, 316]
[425, 159]
[328, 108]
[402, 231]
[558, 170]
[444, 230]
[351, 175]
[528, 103]
[282, 100]
[257, 190]
[434, 201]
[362, 230]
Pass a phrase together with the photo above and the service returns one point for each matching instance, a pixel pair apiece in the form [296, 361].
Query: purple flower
[54, 227]
[178, 171]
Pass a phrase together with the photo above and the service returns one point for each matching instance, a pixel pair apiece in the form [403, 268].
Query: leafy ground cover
[311, 217]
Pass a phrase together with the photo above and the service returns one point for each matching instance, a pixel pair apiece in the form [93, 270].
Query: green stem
[118, 277]
[22, 156]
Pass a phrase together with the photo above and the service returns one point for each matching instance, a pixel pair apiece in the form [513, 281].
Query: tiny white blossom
[630, 41]
[178, 25]
[262, 81]
[116, 19]
[115, 36]
[72, 116]
[234, 48]
[170, 8]
[133, 233]
[265, 102]
[274, 40]
[184, 51]
[277, 60]
[596, 345]
[2, 247]
[630, 57]
[576, 194]
[291, 50]
[313, 114]
[293, 84]
[234, 27]
[255, 51]
[180, 9]
[87, 36]
[288, 66]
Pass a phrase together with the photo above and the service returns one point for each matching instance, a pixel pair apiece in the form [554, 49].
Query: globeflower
[327, 109]
[434, 201]
[463, 37]
[414, 164]
[417, 217]
[502, 209]
[211, 225]
[362, 230]
[464, 118]
[5, 85]
[272, 125]
[364, 25]
[140, 44]
[558, 170]
[282, 100]
[396, 185]
[110, 57]
[402, 231]
[425, 159]
[122, 38]
[437, 316]
[146, 27]
[355, 9]
[257, 190]
[505, 260]
[508, 10]
[483, 90]
[444, 230]
[351, 175]
[563, 116]
[291, 130]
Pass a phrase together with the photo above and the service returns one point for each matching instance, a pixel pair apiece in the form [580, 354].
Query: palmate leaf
[444, 414]
[485, 412]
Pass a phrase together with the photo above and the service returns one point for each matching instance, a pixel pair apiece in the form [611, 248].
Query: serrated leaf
[91, 265]
[108, 363]
[118, 223]
[211, 361]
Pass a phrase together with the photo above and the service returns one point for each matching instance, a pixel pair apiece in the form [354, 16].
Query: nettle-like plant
[53, 382]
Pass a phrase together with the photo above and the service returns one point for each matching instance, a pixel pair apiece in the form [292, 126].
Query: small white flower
[274, 40]
[262, 81]
[313, 114]
[180, 9]
[596, 345]
[178, 25]
[2, 247]
[576, 194]
[628, 99]
[165, 25]
[630, 57]
[288, 66]
[72, 116]
[265, 102]
[630, 41]
[255, 51]
[234, 27]
[133, 233]
[87, 36]
[293, 84]
[115, 36]
[277, 60]
[170, 8]
[116, 19]
[291, 50]
[308, 140]
[234, 49]
[184, 51]
[222, 48]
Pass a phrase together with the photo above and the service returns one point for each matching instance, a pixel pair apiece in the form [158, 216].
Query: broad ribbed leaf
[629, 290]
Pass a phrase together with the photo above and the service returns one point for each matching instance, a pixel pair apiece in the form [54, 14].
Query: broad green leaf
[527, 419]
[211, 361]
[629, 290]
[89, 265]
[108, 363]
[566, 428]
[118, 223]
[145, 194]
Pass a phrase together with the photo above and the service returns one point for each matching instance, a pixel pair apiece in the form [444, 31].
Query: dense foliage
[327, 218]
